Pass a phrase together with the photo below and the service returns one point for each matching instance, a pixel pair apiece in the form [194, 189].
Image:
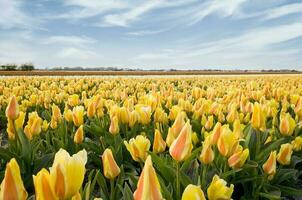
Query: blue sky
[153, 34]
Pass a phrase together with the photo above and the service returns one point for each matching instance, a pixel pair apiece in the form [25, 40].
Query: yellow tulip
[216, 133]
[67, 173]
[56, 117]
[227, 143]
[237, 129]
[159, 145]
[238, 159]
[144, 113]
[110, 168]
[10, 129]
[133, 118]
[148, 187]
[79, 135]
[258, 118]
[287, 125]
[297, 143]
[209, 124]
[33, 126]
[20, 121]
[12, 110]
[68, 115]
[44, 188]
[91, 109]
[218, 189]
[114, 126]
[138, 147]
[207, 153]
[78, 115]
[73, 100]
[124, 115]
[193, 192]
[285, 154]
[181, 147]
[45, 125]
[269, 167]
[174, 131]
[12, 187]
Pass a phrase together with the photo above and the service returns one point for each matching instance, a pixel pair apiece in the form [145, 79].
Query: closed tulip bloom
[237, 129]
[79, 135]
[227, 143]
[207, 153]
[269, 167]
[68, 115]
[114, 126]
[12, 110]
[67, 173]
[148, 187]
[287, 125]
[209, 123]
[56, 117]
[159, 145]
[216, 133]
[19, 122]
[91, 109]
[174, 131]
[218, 189]
[110, 168]
[73, 100]
[238, 159]
[10, 129]
[124, 115]
[193, 192]
[45, 125]
[297, 143]
[181, 147]
[258, 117]
[12, 187]
[78, 115]
[285, 154]
[44, 188]
[33, 126]
[133, 118]
[138, 147]
[144, 113]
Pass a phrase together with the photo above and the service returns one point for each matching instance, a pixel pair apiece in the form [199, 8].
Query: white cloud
[284, 10]
[76, 53]
[11, 15]
[69, 40]
[146, 32]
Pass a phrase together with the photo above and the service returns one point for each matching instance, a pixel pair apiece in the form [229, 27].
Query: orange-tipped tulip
[238, 159]
[181, 147]
[258, 117]
[176, 128]
[78, 115]
[193, 192]
[12, 187]
[12, 109]
[207, 153]
[79, 135]
[159, 145]
[218, 189]
[285, 154]
[114, 126]
[110, 168]
[269, 167]
[138, 147]
[227, 143]
[148, 187]
[216, 133]
[44, 188]
[287, 125]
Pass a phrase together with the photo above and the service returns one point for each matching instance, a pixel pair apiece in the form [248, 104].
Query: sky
[152, 34]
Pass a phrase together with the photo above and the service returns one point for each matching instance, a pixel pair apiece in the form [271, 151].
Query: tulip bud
[73, 100]
[148, 187]
[68, 115]
[114, 126]
[174, 131]
[227, 143]
[124, 115]
[79, 135]
[269, 167]
[138, 147]
[209, 124]
[43, 186]
[216, 133]
[297, 143]
[258, 117]
[159, 145]
[218, 189]
[193, 192]
[12, 109]
[237, 129]
[207, 153]
[181, 147]
[33, 126]
[45, 125]
[238, 159]
[285, 154]
[12, 185]
[287, 125]
[78, 115]
[110, 168]
[133, 118]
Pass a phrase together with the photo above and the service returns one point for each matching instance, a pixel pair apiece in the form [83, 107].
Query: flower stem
[112, 189]
[177, 181]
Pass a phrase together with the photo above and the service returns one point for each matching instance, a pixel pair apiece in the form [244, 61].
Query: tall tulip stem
[177, 181]
[112, 189]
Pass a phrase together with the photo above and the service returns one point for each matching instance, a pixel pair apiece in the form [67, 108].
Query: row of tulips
[155, 139]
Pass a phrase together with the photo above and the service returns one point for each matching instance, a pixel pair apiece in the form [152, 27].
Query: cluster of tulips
[188, 138]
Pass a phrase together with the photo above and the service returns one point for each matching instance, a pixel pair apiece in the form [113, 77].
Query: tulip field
[151, 138]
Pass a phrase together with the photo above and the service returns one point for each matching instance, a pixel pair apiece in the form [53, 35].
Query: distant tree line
[14, 67]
